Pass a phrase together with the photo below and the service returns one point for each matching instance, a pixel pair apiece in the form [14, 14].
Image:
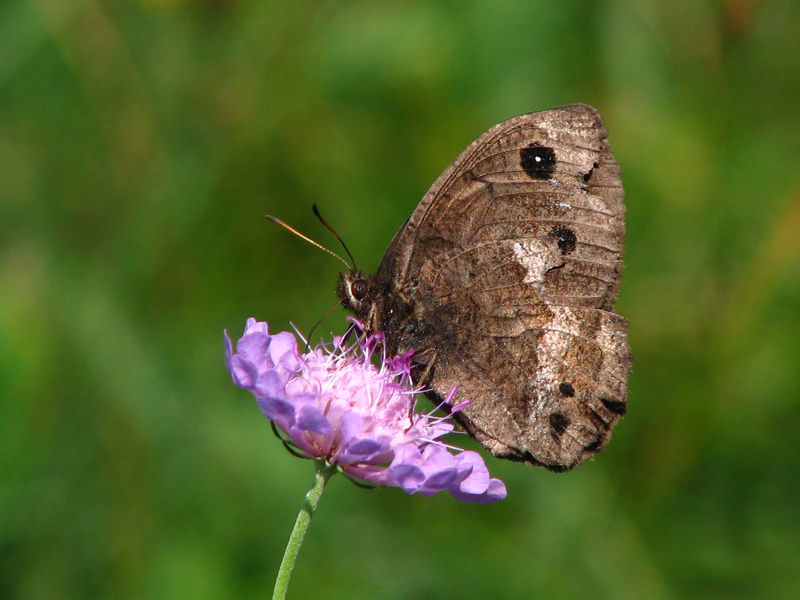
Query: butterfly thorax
[375, 302]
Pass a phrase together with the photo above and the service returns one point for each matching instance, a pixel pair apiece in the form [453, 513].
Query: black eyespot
[566, 389]
[359, 289]
[566, 238]
[618, 407]
[538, 161]
[559, 422]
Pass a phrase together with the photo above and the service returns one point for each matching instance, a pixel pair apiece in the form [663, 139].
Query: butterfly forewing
[504, 280]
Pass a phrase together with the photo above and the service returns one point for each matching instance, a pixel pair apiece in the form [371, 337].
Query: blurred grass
[141, 145]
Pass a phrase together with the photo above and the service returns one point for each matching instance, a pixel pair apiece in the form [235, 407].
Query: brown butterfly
[503, 281]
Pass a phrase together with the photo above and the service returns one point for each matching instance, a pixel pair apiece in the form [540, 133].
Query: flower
[334, 403]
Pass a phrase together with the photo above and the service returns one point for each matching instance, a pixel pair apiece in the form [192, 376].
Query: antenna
[277, 221]
[333, 231]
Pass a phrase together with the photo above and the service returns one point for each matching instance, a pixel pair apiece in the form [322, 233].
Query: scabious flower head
[333, 403]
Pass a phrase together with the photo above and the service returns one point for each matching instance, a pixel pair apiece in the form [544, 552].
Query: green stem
[322, 473]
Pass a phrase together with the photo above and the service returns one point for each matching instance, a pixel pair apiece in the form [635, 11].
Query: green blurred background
[141, 145]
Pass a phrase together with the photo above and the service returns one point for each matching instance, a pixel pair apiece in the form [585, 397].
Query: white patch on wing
[532, 256]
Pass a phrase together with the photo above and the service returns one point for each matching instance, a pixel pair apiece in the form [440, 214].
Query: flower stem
[322, 473]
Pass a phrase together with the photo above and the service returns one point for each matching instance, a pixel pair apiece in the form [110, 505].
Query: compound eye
[359, 289]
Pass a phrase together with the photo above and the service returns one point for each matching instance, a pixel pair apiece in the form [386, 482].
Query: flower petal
[279, 410]
[477, 486]
[255, 326]
[406, 468]
[253, 348]
[474, 476]
[496, 491]
[283, 351]
[228, 350]
[362, 450]
[312, 419]
[352, 424]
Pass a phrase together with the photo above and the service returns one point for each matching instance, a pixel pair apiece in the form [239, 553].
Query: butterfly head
[357, 293]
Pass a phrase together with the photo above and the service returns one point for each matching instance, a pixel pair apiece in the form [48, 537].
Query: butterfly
[503, 282]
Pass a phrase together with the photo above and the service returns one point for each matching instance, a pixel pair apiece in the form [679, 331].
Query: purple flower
[333, 403]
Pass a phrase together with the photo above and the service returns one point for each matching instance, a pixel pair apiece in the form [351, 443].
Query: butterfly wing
[507, 273]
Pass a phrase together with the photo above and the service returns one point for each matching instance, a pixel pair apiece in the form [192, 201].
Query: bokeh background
[143, 142]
